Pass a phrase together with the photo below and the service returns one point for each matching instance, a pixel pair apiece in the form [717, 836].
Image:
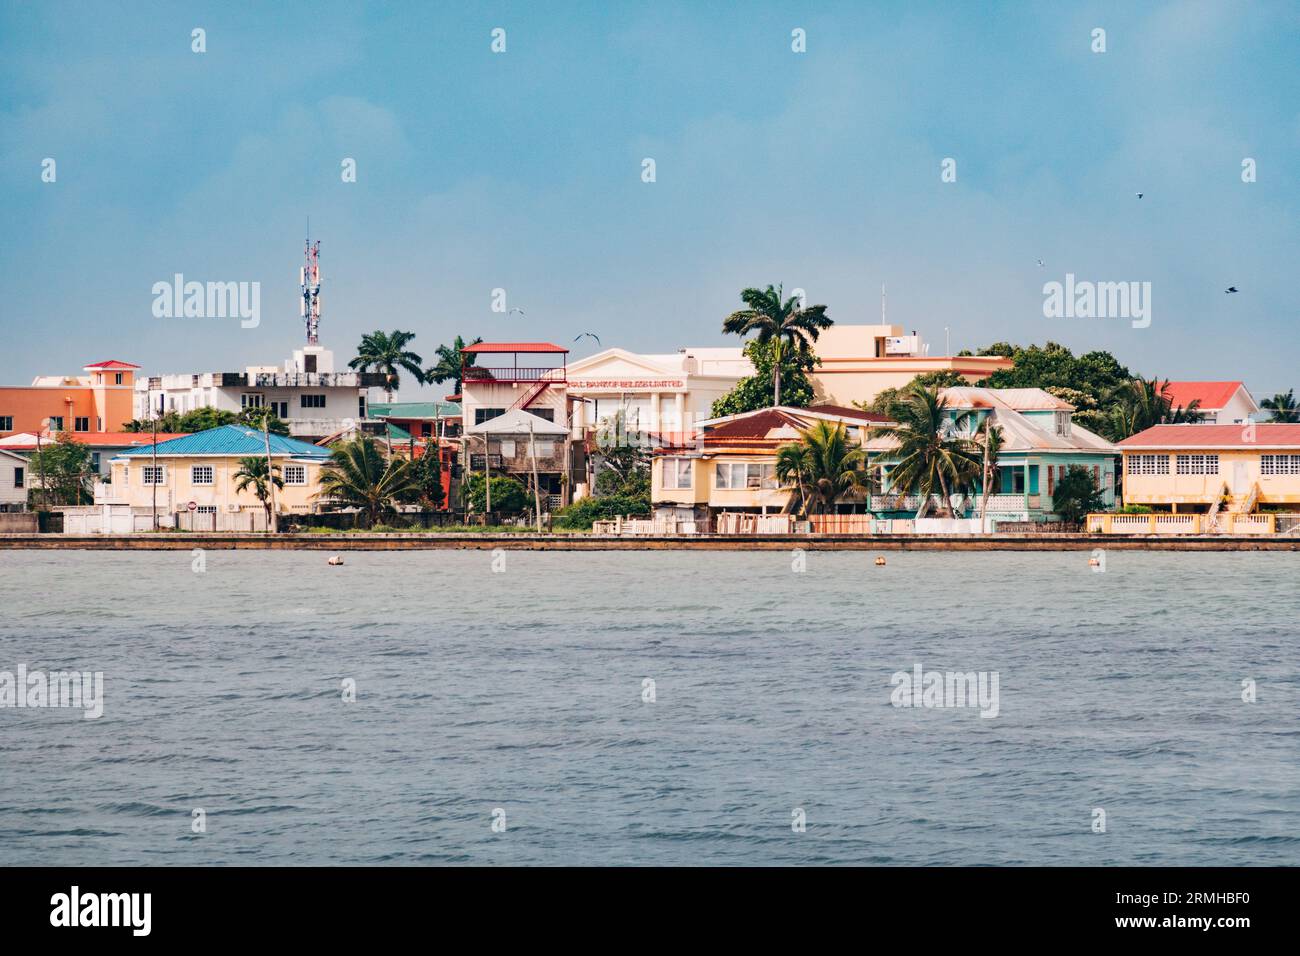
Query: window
[309, 363]
[280, 410]
[482, 415]
[734, 475]
[507, 448]
[295, 474]
[545, 449]
[312, 401]
[94, 460]
[56, 423]
[117, 378]
[250, 400]
[1197, 464]
[81, 424]
[1063, 424]
[154, 475]
[1147, 464]
[19, 478]
[206, 509]
[546, 413]
[1279, 465]
[361, 406]
[200, 474]
[676, 473]
[6, 423]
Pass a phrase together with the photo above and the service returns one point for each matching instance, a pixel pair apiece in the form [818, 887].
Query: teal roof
[415, 410]
[230, 440]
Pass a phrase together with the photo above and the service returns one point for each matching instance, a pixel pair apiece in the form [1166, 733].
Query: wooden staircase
[1252, 499]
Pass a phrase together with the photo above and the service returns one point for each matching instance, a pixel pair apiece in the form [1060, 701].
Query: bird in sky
[1140, 195]
[1040, 262]
[1230, 289]
[586, 334]
[512, 311]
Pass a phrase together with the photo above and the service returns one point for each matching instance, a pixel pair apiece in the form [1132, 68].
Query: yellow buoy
[880, 560]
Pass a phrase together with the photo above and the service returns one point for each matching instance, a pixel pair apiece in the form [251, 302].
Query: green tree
[1283, 406]
[358, 475]
[1142, 403]
[932, 454]
[426, 472]
[885, 399]
[623, 459]
[580, 515]
[758, 390]
[824, 466]
[509, 495]
[201, 419]
[990, 439]
[64, 473]
[788, 325]
[1076, 495]
[386, 352]
[252, 473]
[451, 363]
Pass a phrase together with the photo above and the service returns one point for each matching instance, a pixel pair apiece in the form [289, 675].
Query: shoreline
[174, 541]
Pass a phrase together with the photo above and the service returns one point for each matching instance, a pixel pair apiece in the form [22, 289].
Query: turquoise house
[1040, 443]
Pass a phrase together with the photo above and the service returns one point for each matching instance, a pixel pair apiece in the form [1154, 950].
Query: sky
[522, 170]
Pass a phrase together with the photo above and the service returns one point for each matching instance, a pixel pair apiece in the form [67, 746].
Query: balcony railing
[477, 373]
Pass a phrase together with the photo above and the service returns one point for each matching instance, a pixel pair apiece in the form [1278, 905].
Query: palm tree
[1283, 406]
[990, 438]
[932, 451]
[359, 476]
[825, 465]
[793, 464]
[252, 471]
[387, 352]
[451, 363]
[1141, 403]
[773, 317]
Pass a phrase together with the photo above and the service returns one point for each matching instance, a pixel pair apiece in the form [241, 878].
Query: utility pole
[537, 494]
[153, 484]
[270, 475]
[487, 479]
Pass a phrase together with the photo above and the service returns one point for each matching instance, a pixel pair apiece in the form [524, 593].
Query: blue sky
[522, 170]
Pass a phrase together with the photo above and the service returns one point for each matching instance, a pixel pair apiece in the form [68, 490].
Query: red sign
[192, 505]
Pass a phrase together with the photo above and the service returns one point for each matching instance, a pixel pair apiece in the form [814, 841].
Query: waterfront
[523, 690]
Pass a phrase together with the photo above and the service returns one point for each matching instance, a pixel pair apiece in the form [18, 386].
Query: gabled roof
[516, 421]
[515, 347]
[1212, 395]
[26, 441]
[1017, 399]
[231, 440]
[110, 365]
[1174, 437]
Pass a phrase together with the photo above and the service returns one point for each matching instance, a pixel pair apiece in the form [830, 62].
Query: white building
[658, 393]
[1219, 403]
[14, 471]
[309, 394]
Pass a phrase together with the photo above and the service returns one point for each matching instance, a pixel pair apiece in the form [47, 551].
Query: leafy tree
[885, 399]
[358, 475]
[824, 465]
[757, 391]
[508, 494]
[426, 472]
[785, 324]
[1283, 406]
[451, 363]
[1141, 403]
[580, 515]
[1076, 495]
[201, 419]
[386, 352]
[63, 471]
[624, 460]
[252, 473]
[932, 454]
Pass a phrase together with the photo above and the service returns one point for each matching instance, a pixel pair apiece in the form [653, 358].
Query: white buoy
[336, 559]
[1094, 562]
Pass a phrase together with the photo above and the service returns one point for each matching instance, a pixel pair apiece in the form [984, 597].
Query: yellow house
[731, 466]
[1194, 468]
[201, 470]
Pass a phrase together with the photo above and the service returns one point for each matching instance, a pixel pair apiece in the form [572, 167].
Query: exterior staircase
[531, 395]
[1252, 499]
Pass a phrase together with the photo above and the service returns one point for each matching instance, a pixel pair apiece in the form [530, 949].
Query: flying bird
[520, 311]
[1140, 195]
[585, 334]
[1040, 262]
[1230, 289]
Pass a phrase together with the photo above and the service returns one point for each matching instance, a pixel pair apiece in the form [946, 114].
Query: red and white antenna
[309, 277]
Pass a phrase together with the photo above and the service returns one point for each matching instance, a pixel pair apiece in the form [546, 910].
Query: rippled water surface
[522, 690]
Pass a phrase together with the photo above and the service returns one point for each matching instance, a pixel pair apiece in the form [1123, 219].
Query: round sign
[192, 505]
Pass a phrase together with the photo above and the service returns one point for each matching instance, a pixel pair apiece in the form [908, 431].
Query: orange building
[99, 401]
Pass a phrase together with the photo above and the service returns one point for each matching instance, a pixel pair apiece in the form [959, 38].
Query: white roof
[516, 421]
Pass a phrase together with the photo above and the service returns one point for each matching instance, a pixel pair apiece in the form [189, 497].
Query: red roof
[111, 364]
[515, 347]
[1261, 435]
[845, 412]
[100, 439]
[1212, 395]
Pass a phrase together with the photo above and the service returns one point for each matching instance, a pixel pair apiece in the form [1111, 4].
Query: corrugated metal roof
[415, 410]
[1261, 435]
[231, 440]
[1211, 395]
[514, 347]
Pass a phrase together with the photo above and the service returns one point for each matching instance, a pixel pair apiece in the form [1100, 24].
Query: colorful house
[14, 471]
[103, 445]
[98, 401]
[1220, 403]
[729, 466]
[201, 469]
[1040, 444]
[1208, 469]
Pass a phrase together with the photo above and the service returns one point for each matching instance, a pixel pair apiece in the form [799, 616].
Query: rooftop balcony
[514, 373]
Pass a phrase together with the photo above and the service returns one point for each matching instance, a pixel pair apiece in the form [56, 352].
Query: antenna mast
[309, 278]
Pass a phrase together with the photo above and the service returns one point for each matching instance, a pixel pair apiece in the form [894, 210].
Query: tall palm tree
[1283, 406]
[1141, 403]
[793, 465]
[825, 464]
[991, 440]
[450, 364]
[252, 471]
[932, 452]
[771, 316]
[387, 352]
[357, 475]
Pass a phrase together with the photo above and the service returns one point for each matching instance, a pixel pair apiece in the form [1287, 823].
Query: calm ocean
[522, 691]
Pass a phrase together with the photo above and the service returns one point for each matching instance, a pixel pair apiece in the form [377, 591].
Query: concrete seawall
[587, 542]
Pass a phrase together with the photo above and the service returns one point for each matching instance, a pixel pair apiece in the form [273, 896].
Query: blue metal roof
[230, 440]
